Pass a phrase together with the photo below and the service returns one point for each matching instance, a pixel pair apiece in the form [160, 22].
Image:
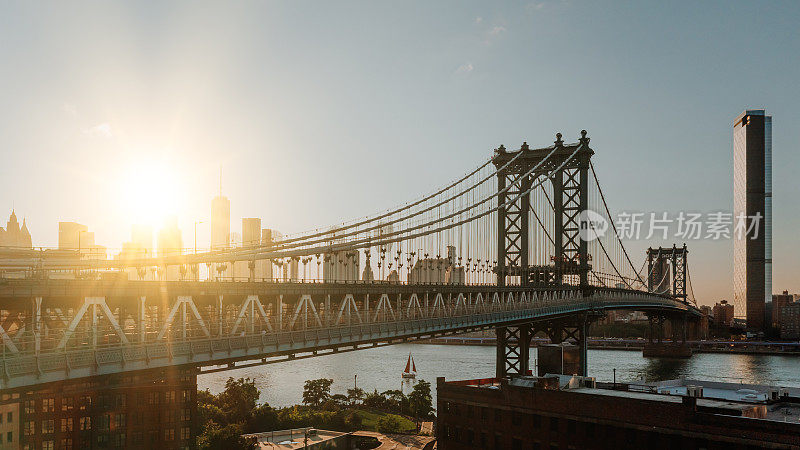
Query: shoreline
[724, 347]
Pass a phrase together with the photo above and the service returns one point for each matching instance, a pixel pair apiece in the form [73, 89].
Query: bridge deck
[102, 334]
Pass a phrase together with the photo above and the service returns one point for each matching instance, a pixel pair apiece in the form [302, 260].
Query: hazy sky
[322, 111]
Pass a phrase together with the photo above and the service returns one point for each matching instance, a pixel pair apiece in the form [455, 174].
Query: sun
[151, 191]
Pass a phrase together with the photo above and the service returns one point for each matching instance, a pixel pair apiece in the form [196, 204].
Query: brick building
[723, 313]
[789, 321]
[558, 412]
[778, 302]
[154, 409]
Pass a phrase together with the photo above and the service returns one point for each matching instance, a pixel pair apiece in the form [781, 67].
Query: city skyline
[392, 147]
[455, 224]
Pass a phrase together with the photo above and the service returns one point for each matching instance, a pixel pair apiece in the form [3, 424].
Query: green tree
[238, 399]
[207, 408]
[388, 424]
[375, 400]
[229, 437]
[317, 392]
[396, 401]
[263, 418]
[339, 400]
[353, 421]
[420, 400]
[355, 396]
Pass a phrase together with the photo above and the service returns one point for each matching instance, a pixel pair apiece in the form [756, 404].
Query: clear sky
[322, 111]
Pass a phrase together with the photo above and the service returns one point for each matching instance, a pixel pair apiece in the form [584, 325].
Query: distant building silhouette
[139, 247]
[170, 243]
[71, 234]
[438, 270]
[251, 237]
[268, 237]
[14, 235]
[75, 236]
[723, 313]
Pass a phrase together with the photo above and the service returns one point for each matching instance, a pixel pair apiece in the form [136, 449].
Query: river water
[281, 384]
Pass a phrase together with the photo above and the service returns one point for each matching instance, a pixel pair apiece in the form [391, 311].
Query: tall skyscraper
[220, 222]
[752, 197]
[220, 230]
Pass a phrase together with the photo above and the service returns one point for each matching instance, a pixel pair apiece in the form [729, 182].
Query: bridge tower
[567, 165]
[657, 261]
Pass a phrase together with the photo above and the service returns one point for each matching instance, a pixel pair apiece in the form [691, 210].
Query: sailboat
[411, 368]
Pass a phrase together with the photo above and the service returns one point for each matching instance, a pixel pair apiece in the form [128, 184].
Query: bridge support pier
[513, 345]
[513, 350]
[571, 331]
[676, 347]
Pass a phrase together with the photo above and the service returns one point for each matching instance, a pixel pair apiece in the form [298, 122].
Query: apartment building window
[169, 434]
[67, 404]
[10, 436]
[186, 433]
[48, 445]
[66, 425]
[29, 428]
[119, 420]
[48, 405]
[10, 417]
[187, 396]
[121, 400]
[85, 423]
[104, 422]
[48, 426]
[30, 407]
[119, 439]
[85, 402]
[66, 444]
[169, 397]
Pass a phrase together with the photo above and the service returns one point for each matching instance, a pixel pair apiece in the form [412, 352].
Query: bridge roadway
[59, 330]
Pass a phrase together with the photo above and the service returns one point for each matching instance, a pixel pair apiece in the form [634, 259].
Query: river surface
[281, 384]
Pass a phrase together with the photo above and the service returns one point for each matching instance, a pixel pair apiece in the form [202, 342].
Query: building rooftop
[293, 438]
[766, 402]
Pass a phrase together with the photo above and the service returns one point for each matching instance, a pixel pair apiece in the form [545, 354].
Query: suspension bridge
[523, 243]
